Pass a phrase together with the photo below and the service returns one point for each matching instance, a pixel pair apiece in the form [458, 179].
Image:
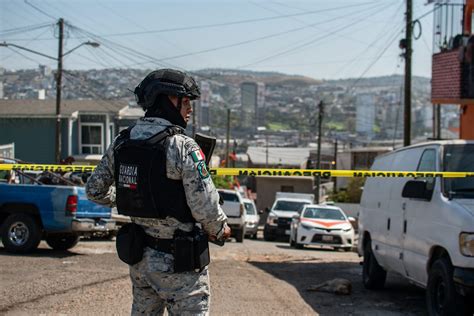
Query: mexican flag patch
[197, 155]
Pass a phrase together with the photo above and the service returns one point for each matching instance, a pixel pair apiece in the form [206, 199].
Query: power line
[39, 10]
[33, 39]
[24, 29]
[253, 40]
[312, 41]
[377, 37]
[202, 26]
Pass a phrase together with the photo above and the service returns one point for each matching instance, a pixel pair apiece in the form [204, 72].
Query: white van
[422, 228]
[234, 208]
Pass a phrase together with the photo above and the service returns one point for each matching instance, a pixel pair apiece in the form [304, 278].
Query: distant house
[87, 127]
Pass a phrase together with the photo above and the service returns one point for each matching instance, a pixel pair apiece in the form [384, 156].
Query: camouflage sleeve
[201, 194]
[100, 185]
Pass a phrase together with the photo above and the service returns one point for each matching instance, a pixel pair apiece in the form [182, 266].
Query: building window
[92, 138]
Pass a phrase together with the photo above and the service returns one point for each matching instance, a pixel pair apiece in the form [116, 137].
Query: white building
[365, 114]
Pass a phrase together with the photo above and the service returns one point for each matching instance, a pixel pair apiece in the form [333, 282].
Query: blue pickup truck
[31, 211]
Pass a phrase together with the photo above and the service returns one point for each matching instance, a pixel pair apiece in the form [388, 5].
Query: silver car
[251, 219]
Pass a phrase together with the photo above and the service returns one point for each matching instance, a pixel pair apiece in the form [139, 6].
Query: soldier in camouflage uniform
[155, 285]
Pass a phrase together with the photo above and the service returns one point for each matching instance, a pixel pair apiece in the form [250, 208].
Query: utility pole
[234, 149]
[408, 53]
[59, 77]
[335, 167]
[318, 158]
[227, 140]
[438, 121]
[266, 149]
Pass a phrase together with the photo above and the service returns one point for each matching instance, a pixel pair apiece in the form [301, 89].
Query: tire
[254, 236]
[296, 245]
[373, 275]
[267, 236]
[62, 242]
[441, 295]
[239, 235]
[20, 233]
[292, 243]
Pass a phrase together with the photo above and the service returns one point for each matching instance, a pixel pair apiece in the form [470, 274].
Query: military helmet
[168, 82]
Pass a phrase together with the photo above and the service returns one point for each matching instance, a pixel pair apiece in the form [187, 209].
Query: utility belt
[190, 250]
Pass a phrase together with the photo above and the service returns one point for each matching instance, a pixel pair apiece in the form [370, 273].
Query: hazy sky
[320, 39]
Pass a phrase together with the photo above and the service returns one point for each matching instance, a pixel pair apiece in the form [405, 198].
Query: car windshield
[249, 209]
[324, 213]
[290, 206]
[459, 158]
[229, 197]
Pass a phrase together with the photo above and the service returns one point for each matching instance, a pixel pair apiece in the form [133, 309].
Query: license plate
[287, 232]
[327, 238]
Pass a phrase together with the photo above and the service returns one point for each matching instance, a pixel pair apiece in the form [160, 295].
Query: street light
[59, 76]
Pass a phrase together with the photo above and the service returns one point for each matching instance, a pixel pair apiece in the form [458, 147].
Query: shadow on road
[41, 252]
[398, 296]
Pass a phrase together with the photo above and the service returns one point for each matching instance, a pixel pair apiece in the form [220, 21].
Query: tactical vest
[142, 188]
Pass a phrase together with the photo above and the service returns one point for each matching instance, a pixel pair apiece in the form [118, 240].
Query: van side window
[428, 163]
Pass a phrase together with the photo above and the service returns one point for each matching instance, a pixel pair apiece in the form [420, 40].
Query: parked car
[252, 218]
[422, 228]
[235, 210]
[286, 205]
[60, 214]
[322, 225]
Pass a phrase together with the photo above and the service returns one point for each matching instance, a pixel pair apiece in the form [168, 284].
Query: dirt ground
[250, 278]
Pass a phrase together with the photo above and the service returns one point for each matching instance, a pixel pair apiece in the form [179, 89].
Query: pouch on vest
[183, 251]
[201, 249]
[190, 251]
[130, 242]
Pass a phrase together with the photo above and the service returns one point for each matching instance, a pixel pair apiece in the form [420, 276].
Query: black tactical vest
[142, 188]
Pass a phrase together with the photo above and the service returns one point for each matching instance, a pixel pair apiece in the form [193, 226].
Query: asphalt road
[252, 278]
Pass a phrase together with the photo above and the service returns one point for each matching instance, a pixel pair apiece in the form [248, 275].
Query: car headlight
[347, 229]
[272, 219]
[306, 227]
[466, 244]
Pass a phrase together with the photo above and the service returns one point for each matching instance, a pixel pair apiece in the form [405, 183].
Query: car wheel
[296, 244]
[268, 237]
[373, 275]
[254, 236]
[20, 233]
[62, 242]
[292, 242]
[239, 236]
[441, 295]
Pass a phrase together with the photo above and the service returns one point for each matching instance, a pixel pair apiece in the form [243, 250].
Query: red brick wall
[446, 76]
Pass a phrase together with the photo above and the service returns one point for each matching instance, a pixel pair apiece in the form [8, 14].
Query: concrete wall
[267, 187]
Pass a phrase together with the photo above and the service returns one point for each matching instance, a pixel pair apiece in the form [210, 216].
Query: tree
[353, 192]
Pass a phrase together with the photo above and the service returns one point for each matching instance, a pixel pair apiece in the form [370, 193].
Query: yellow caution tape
[255, 172]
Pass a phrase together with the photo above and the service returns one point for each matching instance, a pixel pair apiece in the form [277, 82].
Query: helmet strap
[180, 104]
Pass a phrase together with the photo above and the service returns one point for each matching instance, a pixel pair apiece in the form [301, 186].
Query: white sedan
[322, 225]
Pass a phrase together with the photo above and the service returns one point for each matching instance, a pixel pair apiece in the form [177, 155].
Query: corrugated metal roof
[294, 156]
[22, 108]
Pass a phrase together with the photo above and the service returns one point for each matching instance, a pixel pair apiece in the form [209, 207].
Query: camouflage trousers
[156, 287]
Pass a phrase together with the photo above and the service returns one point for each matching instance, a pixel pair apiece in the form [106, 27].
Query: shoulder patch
[197, 155]
[202, 169]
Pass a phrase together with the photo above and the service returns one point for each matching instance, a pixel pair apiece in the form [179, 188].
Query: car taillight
[71, 205]
[241, 209]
